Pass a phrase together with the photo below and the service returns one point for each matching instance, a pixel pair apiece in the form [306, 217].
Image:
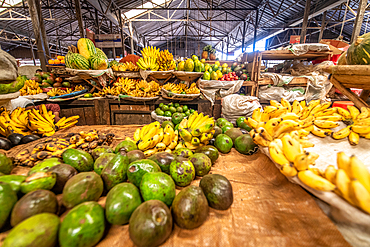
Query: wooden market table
[268, 210]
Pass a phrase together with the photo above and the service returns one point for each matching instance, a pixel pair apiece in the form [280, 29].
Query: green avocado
[183, 152]
[138, 168]
[182, 171]
[81, 160]
[135, 155]
[7, 200]
[85, 186]
[63, 172]
[115, 172]
[102, 161]
[122, 200]
[38, 230]
[217, 190]
[35, 202]
[158, 186]
[202, 164]
[44, 165]
[223, 143]
[150, 224]
[163, 159]
[220, 121]
[6, 164]
[233, 133]
[190, 207]
[125, 146]
[218, 131]
[245, 127]
[97, 152]
[226, 128]
[14, 181]
[210, 151]
[39, 181]
[240, 120]
[83, 226]
[244, 144]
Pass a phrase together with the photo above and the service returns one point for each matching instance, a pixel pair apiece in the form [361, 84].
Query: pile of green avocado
[139, 191]
[226, 136]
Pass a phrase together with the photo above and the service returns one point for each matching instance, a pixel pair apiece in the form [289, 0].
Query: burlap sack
[8, 68]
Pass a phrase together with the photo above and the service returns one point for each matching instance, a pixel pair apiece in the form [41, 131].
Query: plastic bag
[235, 106]
[276, 93]
[210, 88]
[318, 87]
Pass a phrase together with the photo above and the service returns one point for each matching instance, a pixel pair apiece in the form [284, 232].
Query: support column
[358, 21]
[323, 24]
[121, 31]
[227, 48]
[131, 37]
[114, 48]
[41, 48]
[79, 18]
[305, 21]
[255, 31]
[243, 38]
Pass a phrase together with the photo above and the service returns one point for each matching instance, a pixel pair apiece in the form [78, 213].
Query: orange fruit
[51, 61]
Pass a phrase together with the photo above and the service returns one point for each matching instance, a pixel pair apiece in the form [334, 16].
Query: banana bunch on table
[152, 138]
[15, 122]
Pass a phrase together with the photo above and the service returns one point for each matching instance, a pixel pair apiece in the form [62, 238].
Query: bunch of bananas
[79, 88]
[127, 66]
[134, 88]
[99, 94]
[15, 122]
[31, 87]
[358, 124]
[165, 61]
[152, 138]
[197, 130]
[150, 51]
[181, 88]
[148, 63]
[54, 147]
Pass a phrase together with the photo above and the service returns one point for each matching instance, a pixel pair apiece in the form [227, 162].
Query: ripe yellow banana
[353, 111]
[357, 170]
[343, 162]
[291, 147]
[330, 173]
[343, 133]
[302, 103]
[288, 170]
[333, 118]
[304, 160]
[315, 181]
[353, 138]
[296, 107]
[150, 152]
[277, 153]
[342, 181]
[192, 117]
[256, 115]
[365, 112]
[324, 124]
[137, 134]
[258, 139]
[320, 132]
[344, 113]
[286, 104]
[144, 145]
[285, 126]
[275, 103]
[270, 125]
[360, 129]
[361, 195]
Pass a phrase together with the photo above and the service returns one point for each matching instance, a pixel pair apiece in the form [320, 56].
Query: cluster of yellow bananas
[150, 51]
[15, 122]
[99, 94]
[165, 61]
[152, 138]
[134, 88]
[41, 122]
[57, 91]
[193, 89]
[31, 87]
[148, 63]
[127, 66]
[54, 147]
[197, 130]
[182, 88]
[358, 124]
[79, 88]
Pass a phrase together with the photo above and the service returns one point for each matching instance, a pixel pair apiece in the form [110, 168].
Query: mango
[85, 186]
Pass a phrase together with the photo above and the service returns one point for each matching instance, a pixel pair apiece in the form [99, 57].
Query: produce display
[133, 88]
[28, 122]
[14, 86]
[30, 87]
[155, 60]
[181, 88]
[141, 191]
[127, 66]
[209, 53]
[46, 79]
[174, 110]
[86, 56]
[57, 91]
[192, 64]
[58, 60]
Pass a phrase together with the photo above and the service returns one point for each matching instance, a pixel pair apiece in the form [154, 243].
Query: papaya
[35, 202]
[190, 208]
[158, 186]
[38, 230]
[63, 173]
[44, 165]
[150, 224]
[121, 202]
[138, 168]
[115, 172]
[97, 152]
[85, 186]
[217, 190]
[210, 151]
[6, 164]
[14, 181]
[7, 200]
[37, 181]
[81, 160]
[83, 226]
[163, 159]
[101, 162]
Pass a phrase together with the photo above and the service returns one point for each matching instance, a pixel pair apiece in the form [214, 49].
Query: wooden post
[79, 18]
[358, 22]
[41, 49]
[255, 31]
[121, 31]
[42, 29]
[114, 47]
[131, 37]
[305, 21]
[323, 24]
[243, 38]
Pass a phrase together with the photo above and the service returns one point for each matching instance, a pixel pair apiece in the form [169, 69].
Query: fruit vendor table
[267, 210]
